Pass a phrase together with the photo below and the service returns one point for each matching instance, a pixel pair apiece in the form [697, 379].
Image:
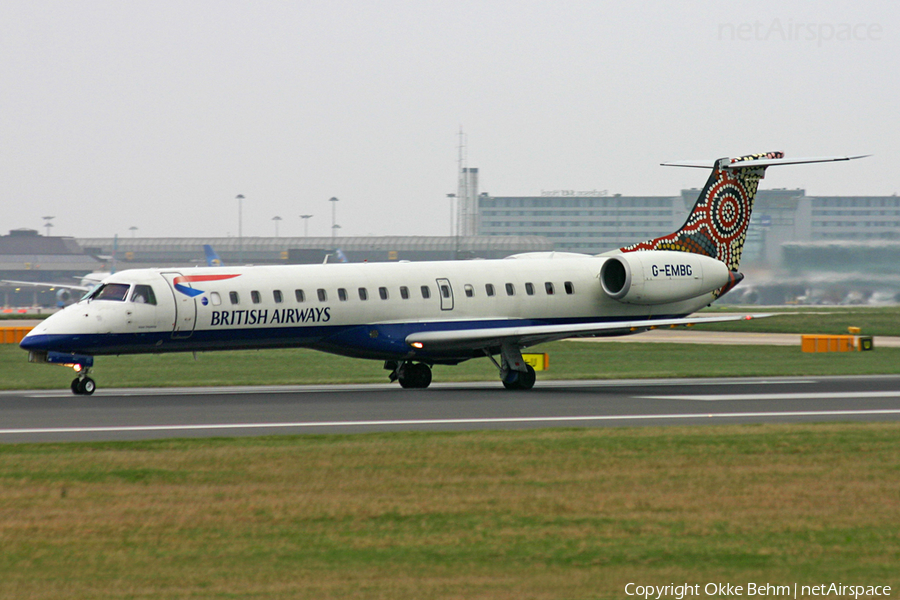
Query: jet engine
[661, 276]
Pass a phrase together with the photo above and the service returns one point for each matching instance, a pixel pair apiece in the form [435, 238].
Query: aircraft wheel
[527, 379]
[415, 376]
[423, 376]
[87, 386]
[76, 386]
[523, 380]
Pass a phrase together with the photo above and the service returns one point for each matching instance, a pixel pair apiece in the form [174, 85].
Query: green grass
[531, 514]
[568, 360]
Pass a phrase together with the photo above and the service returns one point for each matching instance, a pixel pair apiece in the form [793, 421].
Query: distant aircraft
[91, 280]
[212, 259]
[339, 254]
[416, 315]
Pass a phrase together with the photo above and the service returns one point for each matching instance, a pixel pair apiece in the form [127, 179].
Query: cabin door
[185, 305]
[446, 294]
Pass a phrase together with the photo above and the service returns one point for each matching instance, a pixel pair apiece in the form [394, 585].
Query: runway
[130, 414]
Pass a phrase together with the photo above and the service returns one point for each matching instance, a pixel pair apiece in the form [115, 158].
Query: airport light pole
[306, 219]
[240, 199]
[334, 225]
[48, 224]
[276, 218]
[132, 229]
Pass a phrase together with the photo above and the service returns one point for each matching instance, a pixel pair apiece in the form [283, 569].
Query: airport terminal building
[789, 230]
[593, 224]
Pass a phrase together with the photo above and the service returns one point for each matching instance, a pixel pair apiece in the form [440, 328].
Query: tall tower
[466, 194]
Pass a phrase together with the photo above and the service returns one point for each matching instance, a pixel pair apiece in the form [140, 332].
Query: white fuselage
[358, 309]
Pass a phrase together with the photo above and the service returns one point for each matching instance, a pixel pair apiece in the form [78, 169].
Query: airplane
[414, 315]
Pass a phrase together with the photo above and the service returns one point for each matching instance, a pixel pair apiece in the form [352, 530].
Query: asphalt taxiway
[125, 414]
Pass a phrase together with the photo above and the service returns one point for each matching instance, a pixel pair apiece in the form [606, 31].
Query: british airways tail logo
[187, 290]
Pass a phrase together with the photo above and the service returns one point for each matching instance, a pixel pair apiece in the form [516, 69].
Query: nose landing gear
[82, 363]
[83, 385]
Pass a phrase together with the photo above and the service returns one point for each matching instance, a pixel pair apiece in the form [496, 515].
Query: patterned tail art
[717, 226]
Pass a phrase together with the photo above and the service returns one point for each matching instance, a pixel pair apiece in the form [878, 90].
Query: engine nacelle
[661, 276]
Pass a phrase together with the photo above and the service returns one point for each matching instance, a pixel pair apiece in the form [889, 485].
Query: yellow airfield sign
[538, 362]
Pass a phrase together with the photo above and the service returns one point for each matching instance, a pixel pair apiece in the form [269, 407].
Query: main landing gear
[515, 373]
[520, 380]
[409, 374]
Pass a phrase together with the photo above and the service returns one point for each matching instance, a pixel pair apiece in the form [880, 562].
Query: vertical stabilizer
[717, 225]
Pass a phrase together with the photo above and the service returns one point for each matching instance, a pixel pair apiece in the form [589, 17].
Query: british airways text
[265, 317]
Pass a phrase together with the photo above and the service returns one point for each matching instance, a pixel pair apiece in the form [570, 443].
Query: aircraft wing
[68, 286]
[536, 334]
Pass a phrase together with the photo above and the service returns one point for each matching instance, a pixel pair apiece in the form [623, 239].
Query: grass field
[569, 360]
[574, 513]
[500, 515]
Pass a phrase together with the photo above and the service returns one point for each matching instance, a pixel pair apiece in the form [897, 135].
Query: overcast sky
[157, 114]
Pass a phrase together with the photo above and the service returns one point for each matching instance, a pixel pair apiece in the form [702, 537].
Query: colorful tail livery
[717, 225]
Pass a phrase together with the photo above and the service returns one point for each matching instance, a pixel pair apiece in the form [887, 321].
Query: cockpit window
[111, 291]
[143, 294]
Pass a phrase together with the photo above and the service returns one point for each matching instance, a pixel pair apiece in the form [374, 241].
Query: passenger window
[299, 295]
[426, 292]
[489, 289]
[363, 294]
[255, 297]
[404, 292]
[549, 287]
[215, 298]
[143, 294]
[570, 287]
[233, 296]
[342, 294]
[111, 291]
[510, 289]
[382, 291]
[529, 289]
[279, 298]
[445, 290]
[470, 291]
[322, 295]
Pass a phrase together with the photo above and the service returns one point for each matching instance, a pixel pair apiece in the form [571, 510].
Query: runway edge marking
[474, 421]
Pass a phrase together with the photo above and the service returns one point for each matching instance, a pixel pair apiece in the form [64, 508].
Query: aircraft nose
[33, 341]
[45, 336]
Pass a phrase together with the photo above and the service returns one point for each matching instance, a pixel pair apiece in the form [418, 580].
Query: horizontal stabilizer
[762, 162]
[535, 334]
